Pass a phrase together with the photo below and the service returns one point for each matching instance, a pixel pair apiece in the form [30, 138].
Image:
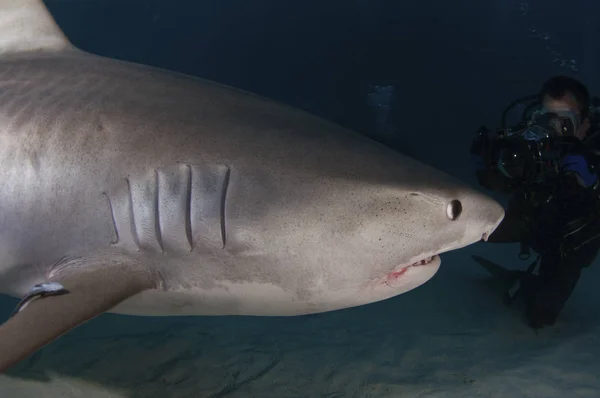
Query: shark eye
[454, 209]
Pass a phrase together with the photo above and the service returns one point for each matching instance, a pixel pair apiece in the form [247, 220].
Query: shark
[135, 190]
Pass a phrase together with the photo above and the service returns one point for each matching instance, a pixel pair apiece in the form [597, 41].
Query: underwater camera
[527, 154]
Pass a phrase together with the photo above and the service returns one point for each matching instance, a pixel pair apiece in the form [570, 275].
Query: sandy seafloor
[452, 337]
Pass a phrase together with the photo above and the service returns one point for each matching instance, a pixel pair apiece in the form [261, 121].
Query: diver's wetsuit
[561, 230]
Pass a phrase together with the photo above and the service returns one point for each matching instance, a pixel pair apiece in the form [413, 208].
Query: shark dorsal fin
[27, 25]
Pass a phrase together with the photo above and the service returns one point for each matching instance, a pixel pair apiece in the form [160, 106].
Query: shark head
[347, 233]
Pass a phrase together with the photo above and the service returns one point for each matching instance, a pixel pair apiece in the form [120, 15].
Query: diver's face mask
[562, 122]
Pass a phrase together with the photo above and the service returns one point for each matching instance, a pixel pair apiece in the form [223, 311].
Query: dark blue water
[453, 65]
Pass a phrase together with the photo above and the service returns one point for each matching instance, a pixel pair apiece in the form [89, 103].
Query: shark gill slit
[112, 215]
[134, 233]
[156, 213]
[223, 204]
[188, 209]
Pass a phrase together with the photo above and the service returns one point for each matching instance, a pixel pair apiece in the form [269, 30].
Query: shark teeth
[425, 261]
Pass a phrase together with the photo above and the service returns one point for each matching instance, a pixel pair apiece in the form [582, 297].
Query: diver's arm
[577, 186]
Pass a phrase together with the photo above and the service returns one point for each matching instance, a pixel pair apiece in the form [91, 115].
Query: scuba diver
[548, 165]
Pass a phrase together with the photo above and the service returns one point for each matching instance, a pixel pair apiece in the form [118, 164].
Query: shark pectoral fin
[27, 25]
[78, 291]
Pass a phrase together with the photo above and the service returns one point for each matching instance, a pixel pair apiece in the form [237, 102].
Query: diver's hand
[577, 165]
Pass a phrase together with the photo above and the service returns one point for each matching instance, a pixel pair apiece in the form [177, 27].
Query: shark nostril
[454, 209]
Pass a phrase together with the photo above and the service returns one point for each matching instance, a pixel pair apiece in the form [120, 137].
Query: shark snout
[493, 211]
[483, 214]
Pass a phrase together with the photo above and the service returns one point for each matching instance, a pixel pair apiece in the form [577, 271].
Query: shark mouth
[393, 276]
